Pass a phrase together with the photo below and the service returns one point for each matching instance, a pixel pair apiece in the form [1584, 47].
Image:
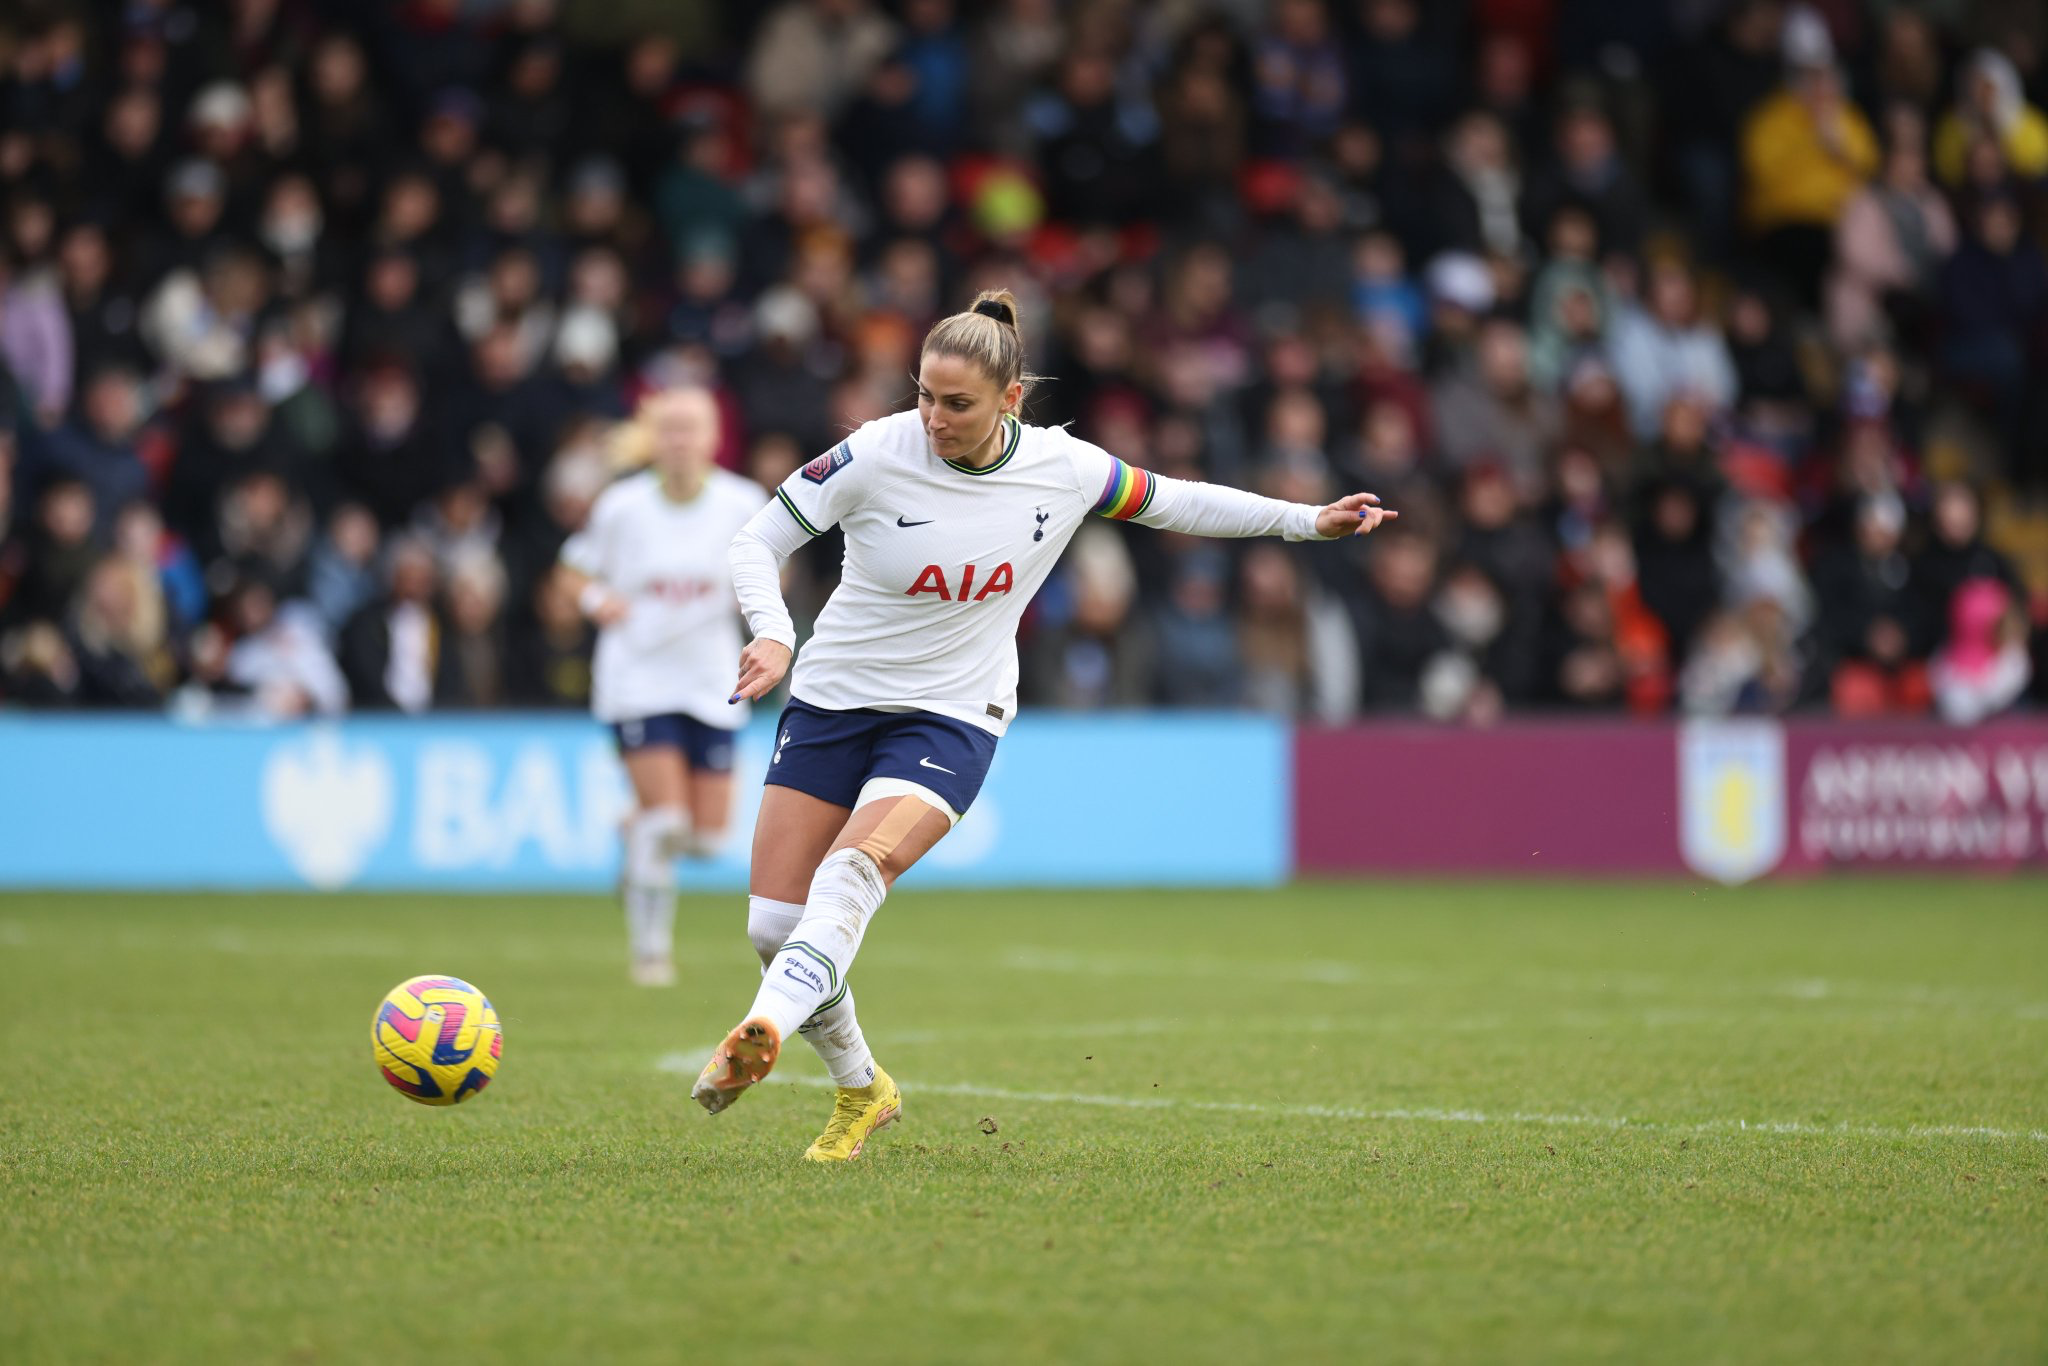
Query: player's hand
[762, 665]
[608, 611]
[1353, 516]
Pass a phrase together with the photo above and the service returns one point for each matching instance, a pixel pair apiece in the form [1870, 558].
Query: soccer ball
[437, 1040]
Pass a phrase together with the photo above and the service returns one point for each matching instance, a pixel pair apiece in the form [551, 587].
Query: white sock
[809, 969]
[651, 836]
[833, 1029]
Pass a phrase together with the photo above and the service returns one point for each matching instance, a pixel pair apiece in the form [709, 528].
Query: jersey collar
[1016, 430]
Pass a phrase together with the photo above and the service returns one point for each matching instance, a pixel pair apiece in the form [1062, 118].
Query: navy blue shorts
[706, 747]
[831, 754]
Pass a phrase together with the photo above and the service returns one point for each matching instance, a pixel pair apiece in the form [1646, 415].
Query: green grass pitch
[1385, 1123]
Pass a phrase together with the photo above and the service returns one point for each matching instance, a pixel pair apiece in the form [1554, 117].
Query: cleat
[654, 972]
[743, 1059]
[859, 1114]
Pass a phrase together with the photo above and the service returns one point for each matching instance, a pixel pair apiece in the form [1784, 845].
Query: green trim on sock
[831, 968]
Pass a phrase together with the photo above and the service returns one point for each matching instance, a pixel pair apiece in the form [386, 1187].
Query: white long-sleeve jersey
[942, 559]
[674, 650]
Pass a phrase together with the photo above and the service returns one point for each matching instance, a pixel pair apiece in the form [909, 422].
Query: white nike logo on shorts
[926, 762]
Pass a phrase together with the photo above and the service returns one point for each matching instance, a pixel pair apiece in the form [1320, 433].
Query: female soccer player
[952, 516]
[650, 570]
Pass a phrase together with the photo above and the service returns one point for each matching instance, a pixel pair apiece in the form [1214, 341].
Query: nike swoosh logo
[926, 522]
[927, 763]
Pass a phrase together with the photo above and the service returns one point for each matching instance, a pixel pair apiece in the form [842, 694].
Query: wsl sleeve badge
[437, 1040]
[830, 463]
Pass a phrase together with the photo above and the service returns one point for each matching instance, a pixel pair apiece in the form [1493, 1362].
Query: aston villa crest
[1731, 798]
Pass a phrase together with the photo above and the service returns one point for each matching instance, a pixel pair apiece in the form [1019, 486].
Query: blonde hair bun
[987, 334]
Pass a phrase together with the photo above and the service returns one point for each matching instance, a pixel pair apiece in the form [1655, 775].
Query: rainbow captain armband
[1127, 493]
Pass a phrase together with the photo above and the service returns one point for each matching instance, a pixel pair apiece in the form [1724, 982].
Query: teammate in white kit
[651, 569]
[953, 516]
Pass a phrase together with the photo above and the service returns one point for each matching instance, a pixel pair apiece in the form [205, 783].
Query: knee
[852, 870]
[653, 837]
[769, 923]
[847, 889]
[700, 843]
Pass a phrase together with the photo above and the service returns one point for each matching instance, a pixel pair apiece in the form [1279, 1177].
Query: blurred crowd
[1697, 342]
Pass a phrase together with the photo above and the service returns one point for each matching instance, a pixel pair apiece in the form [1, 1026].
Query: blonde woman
[953, 516]
[650, 570]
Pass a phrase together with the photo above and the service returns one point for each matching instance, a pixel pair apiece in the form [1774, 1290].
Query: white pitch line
[1338, 973]
[1679, 1017]
[686, 1063]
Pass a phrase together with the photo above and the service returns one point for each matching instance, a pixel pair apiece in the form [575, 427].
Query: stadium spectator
[1991, 106]
[1471, 680]
[341, 573]
[1674, 555]
[1298, 77]
[1872, 620]
[116, 636]
[1405, 76]
[1475, 203]
[1503, 541]
[1569, 310]
[1199, 665]
[1586, 172]
[59, 550]
[1583, 666]
[813, 56]
[1982, 668]
[164, 564]
[1890, 243]
[1668, 349]
[1398, 633]
[100, 307]
[1742, 663]
[232, 433]
[98, 448]
[474, 641]
[1994, 301]
[280, 659]
[1489, 411]
[1805, 151]
[392, 649]
[1299, 651]
[549, 658]
[36, 342]
[394, 456]
[1956, 552]
[1088, 650]
[266, 529]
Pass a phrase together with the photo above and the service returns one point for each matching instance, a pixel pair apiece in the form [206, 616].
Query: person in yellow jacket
[1991, 104]
[1805, 151]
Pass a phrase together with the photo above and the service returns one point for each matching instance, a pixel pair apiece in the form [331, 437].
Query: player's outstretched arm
[1198, 509]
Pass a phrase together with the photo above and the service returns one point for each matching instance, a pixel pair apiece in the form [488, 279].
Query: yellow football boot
[860, 1113]
[743, 1059]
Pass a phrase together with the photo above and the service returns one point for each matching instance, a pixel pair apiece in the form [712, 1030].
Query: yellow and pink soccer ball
[437, 1040]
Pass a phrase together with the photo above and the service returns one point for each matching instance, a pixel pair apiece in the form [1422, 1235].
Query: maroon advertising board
[1732, 800]
[1919, 797]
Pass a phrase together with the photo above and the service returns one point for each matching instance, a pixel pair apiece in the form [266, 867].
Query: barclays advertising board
[533, 802]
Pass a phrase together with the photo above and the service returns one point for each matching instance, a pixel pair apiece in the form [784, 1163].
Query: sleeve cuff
[1301, 524]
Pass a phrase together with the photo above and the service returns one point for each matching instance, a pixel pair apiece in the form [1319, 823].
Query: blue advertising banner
[533, 802]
